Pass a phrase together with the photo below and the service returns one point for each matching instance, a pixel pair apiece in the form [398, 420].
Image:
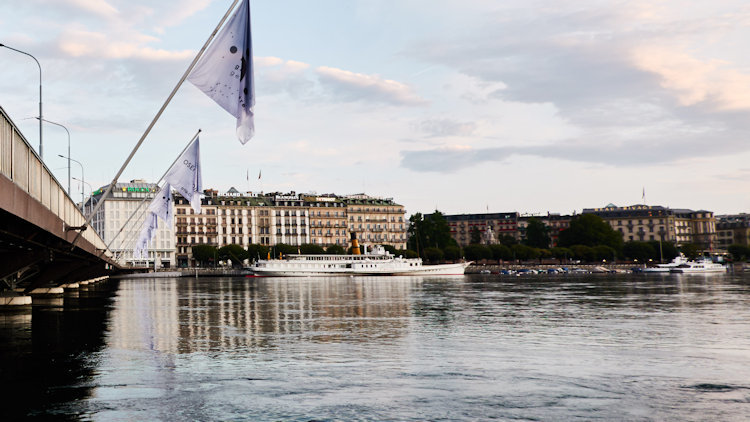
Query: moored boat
[665, 268]
[699, 267]
[378, 262]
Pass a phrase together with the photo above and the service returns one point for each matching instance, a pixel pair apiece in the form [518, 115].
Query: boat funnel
[355, 244]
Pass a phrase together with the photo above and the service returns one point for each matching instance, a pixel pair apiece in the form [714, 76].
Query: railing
[20, 163]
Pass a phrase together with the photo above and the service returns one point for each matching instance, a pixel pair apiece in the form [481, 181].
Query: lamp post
[91, 190]
[82, 178]
[41, 151]
[68, 132]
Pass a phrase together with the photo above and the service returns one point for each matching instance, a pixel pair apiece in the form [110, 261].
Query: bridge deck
[38, 222]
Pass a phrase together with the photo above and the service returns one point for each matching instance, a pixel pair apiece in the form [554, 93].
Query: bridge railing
[21, 164]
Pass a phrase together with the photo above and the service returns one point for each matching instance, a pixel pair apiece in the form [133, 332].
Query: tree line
[588, 239]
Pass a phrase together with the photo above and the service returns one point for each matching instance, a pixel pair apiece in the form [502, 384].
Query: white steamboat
[377, 262]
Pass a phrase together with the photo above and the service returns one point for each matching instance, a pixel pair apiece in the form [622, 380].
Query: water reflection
[48, 353]
[200, 315]
[464, 348]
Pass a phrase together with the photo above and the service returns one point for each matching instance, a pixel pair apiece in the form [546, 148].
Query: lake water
[625, 347]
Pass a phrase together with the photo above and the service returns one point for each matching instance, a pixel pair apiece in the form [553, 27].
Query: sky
[465, 107]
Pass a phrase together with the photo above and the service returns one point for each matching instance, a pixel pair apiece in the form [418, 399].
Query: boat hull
[443, 269]
[698, 270]
[656, 270]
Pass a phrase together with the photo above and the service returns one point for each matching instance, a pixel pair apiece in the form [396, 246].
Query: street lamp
[68, 132]
[82, 178]
[41, 151]
[91, 190]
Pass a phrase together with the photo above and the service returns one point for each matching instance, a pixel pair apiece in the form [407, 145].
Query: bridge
[39, 223]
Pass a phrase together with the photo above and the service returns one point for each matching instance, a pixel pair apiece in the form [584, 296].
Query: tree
[562, 254]
[475, 252]
[335, 250]
[311, 249]
[204, 254]
[641, 251]
[668, 250]
[590, 230]
[533, 253]
[390, 249]
[416, 232]
[439, 235]
[537, 234]
[602, 252]
[739, 252]
[523, 252]
[690, 250]
[544, 253]
[430, 230]
[507, 239]
[283, 249]
[234, 252]
[583, 253]
[255, 251]
[476, 235]
[433, 255]
[452, 253]
[501, 252]
[407, 253]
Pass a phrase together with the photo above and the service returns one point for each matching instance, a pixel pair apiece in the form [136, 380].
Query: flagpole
[153, 122]
[138, 208]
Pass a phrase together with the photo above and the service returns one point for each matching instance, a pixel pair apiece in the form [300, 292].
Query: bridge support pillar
[11, 299]
[47, 292]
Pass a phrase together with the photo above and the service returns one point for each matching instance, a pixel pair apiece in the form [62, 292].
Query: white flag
[161, 205]
[148, 231]
[185, 176]
[225, 72]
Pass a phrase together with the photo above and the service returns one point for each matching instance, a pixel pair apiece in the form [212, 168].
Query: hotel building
[650, 222]
[376, 220]
[500, 224]
[554, 222]
[126, 200]
[733, 230]
[293, 219]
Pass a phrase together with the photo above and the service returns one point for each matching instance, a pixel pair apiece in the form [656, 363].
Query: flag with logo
[161, 205]
[225, 71]
[185, 176]
[148, 231]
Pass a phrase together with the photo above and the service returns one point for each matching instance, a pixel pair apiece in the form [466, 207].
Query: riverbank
[587, 268]
[738, 267]
[472, 269]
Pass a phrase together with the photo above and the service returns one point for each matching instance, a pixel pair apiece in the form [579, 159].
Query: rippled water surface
[370, 348]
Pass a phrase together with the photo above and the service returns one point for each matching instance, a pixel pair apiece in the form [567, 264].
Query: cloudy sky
[464, 106]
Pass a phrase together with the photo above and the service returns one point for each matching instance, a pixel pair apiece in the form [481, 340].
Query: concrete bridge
[39, 222]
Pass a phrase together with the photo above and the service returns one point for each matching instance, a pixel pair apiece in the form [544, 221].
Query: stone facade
[291, 218]
[649, 222]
